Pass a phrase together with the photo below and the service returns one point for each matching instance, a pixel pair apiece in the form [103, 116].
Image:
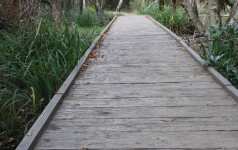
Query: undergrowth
[177, 20]
[223, 51]
[89, 19]
[34, 62]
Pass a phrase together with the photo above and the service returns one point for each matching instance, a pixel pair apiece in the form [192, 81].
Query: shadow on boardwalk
[143, 91]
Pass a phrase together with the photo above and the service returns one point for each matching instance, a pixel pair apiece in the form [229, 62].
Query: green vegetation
[89, 19]
[34, 62]
[175, 19]
[223, 51]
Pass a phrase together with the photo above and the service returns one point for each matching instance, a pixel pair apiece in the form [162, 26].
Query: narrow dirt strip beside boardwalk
[143, 91]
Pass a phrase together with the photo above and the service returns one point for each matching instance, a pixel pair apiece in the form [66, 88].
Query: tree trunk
[174, 4]
[233, 12]
[119, 5]
[191, 7]
[212, 9]
[84, 4]
[161, 4]
[99, 7]
[81, 6]
[142, 4]
[56, 10]
[220, 6]
[9, 11]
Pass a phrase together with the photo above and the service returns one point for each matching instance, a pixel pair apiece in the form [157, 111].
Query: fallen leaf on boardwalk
[93, 54]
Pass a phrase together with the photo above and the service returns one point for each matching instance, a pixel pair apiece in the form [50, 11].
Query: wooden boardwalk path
[143, 91]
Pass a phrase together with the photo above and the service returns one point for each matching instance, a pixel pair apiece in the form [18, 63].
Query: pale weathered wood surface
[143, 91]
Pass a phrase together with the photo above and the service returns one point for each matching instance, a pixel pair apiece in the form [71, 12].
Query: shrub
[105, 18]
[223, 51]
[151, 9]
[33, 64]
[177, 20]
[87, 18]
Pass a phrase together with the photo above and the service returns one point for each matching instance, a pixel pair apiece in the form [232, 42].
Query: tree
[81, 6]
[192, 10]
[215, 8]
[9, 11]
[233, 12]
[84, 4]
[119, 5]
[56, 10]
[99, 7]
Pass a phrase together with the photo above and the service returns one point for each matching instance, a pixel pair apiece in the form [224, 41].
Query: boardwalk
[143, 91]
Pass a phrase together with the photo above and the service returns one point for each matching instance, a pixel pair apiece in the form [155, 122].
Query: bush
[105, 18]
[177, 20]
[223, 51]
[87, 18]
[33, 65]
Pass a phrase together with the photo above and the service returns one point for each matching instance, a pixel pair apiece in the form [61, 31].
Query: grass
[88, 19]
[33, 64]
[223, 51]
[176, 20]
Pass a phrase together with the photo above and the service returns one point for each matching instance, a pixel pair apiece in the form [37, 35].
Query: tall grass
[177, 20]
[89, 19]
[33, 64]
[223, 51]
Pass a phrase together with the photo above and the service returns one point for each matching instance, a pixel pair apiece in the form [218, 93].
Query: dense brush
[177, 20]
[33, 64]
[223, 51]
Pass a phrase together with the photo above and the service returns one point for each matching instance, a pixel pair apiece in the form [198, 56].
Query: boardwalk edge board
[227, 85]
[34, 132]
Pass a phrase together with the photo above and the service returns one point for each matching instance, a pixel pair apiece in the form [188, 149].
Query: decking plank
[150, 102]
[120, 140]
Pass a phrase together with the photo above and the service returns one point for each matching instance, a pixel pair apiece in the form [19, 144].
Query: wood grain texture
[143, 91]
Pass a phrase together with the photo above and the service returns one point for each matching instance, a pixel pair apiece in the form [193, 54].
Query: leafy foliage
[87, 18]
[177, 20]
[223, 51]
[33, 64]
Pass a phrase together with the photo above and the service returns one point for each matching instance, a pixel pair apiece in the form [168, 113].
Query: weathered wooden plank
[139, 52]
[144, 66]
[143, 60]
[162, 67]
[161, 73]
[161, 84]
[162, 64]
[146, 112]
[149, 37]
[160, 102]
[154, 46]
[131, 79]
[135, 125]
[141, 90]
[101, 140]
[130, 122]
